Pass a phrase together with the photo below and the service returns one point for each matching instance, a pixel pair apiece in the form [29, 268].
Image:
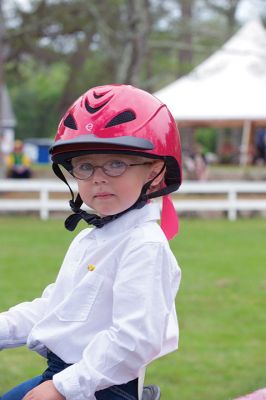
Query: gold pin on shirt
[91, 267]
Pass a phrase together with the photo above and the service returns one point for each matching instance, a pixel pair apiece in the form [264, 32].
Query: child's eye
[85, 167]
[116, 164]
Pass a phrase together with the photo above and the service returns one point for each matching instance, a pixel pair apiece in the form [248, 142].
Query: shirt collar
[150, 212]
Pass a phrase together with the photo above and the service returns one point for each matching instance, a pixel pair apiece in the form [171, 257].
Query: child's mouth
[103, 195]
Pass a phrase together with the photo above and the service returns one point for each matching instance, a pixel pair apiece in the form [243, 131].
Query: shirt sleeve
[143, 298]
[17, 322]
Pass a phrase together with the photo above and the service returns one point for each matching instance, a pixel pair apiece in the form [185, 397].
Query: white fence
[45, 196]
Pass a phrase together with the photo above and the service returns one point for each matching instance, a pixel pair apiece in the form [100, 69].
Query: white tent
[227, 89]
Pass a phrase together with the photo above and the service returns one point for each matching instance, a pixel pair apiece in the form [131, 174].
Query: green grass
[221, 303]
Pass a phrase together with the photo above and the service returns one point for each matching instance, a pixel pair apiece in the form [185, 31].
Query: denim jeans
[127, 391]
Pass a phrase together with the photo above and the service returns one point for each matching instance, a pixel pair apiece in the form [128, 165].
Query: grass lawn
[221, 303]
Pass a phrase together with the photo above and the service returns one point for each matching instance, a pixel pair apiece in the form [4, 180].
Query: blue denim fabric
[21, 390]
[127, 391]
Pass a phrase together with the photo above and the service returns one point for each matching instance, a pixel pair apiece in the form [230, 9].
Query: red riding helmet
[120, 118]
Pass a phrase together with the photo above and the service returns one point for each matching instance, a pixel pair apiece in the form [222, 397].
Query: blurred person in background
[260, 142]
[18, 163]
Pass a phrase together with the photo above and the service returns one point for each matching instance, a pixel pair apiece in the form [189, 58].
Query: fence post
[232, 209]
[44, 203]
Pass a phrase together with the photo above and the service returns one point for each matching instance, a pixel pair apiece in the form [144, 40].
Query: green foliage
[207, 137]
[35, 96]
[57, 49]
[96, 71]
[220, 305]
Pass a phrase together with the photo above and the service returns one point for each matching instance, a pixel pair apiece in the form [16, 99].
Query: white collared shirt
[111, 310]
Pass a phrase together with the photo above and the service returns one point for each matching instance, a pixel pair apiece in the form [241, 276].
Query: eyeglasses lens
[111, 168]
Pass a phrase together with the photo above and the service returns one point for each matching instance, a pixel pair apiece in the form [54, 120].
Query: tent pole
[244, 148]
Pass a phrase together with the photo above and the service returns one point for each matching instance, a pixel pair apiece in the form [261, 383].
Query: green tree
[35, 97]
[59, 48]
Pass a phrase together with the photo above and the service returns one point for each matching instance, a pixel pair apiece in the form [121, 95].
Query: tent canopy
[227, 89]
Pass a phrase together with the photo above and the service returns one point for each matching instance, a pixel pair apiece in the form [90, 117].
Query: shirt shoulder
[147, 248]
[81, 235]
[148, 232]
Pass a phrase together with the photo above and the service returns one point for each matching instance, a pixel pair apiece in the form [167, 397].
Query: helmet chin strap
[94, 219]
[169, 220]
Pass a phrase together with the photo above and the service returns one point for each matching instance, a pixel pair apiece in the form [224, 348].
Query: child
[111, 310]
[18, 163]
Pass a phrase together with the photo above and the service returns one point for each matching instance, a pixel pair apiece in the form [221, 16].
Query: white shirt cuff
[66, 382]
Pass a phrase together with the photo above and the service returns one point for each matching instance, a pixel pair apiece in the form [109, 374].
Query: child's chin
[109, 213]
[106, 213]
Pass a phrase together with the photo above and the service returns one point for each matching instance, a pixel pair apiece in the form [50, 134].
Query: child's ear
[156, 168]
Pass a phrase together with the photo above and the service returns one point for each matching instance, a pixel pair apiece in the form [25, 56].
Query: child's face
[110, 195]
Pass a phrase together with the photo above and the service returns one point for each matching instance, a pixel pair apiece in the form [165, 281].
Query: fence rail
[42, 196]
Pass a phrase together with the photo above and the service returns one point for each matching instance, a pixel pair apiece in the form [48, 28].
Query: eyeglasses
[85, 170]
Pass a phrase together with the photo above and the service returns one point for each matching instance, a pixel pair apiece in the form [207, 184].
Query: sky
[250, 9]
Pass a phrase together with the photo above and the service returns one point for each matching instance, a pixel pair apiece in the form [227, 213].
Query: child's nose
[99, 175]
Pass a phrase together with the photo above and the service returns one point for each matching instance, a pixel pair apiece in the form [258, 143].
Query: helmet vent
[122, 118]
[92, 110]
[69, 122]
[97, 96]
